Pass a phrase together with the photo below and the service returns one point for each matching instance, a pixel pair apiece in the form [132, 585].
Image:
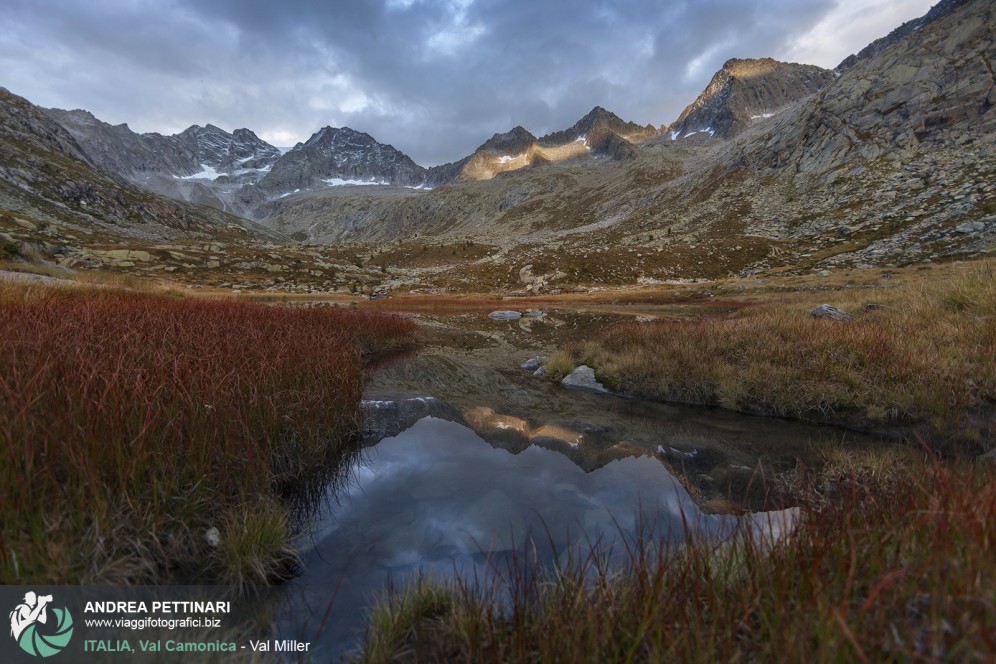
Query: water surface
[438, 499]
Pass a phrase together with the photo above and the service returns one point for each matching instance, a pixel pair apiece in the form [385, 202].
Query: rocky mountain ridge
[599, 132]
[337, 156]
[238, 172]
[206, 152]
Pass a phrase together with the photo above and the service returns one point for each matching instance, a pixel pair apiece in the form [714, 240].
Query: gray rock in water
[534, 363]
[833, 313]
[583, 378]
[504, 315]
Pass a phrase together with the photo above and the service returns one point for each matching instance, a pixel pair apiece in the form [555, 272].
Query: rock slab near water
[583, 378]
[504, 315]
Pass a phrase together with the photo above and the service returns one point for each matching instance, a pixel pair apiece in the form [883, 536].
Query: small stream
[501, 465]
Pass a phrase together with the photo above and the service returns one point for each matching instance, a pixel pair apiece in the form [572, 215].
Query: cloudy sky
[435, 78]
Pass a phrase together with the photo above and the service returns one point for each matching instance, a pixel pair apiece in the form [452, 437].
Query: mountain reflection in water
[438, 499]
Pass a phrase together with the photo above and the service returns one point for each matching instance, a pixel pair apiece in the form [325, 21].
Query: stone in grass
[504, 315]
[534, 363]
[832, 313]
[583, 378]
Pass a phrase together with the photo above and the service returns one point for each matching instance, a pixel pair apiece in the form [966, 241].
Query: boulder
[534, 363]
[583, 378]
[526, 275]
[831, 313]
[970, 227]
[504, 315]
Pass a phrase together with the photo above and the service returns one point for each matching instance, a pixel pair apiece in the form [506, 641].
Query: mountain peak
[337, 155]
[599, 113]
[747, 90]
[516, 140]
[598, 121]
[332, 134]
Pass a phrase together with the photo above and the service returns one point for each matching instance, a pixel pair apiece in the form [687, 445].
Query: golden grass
[923, 353]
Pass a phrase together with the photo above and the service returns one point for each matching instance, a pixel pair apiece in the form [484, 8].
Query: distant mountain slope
[744, 91]
[206, 152]
[46, 177]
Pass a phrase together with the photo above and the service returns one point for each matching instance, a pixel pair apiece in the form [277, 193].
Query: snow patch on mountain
[206, 173]
[339, 182]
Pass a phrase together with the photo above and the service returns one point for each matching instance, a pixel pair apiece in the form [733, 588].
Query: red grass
[120, 407]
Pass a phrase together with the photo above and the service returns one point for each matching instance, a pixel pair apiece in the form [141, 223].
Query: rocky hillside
[940, 10]
[746, 91]
[931, 89]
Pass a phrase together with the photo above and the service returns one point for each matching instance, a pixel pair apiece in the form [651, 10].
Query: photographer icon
[30, 612]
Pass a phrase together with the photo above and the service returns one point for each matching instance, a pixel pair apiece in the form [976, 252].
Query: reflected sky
[438, 498]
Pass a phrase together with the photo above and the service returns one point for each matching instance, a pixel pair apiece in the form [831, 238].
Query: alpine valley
[717, 388]
[775, 168]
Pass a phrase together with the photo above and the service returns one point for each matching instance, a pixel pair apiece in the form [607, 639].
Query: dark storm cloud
[433, 77]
